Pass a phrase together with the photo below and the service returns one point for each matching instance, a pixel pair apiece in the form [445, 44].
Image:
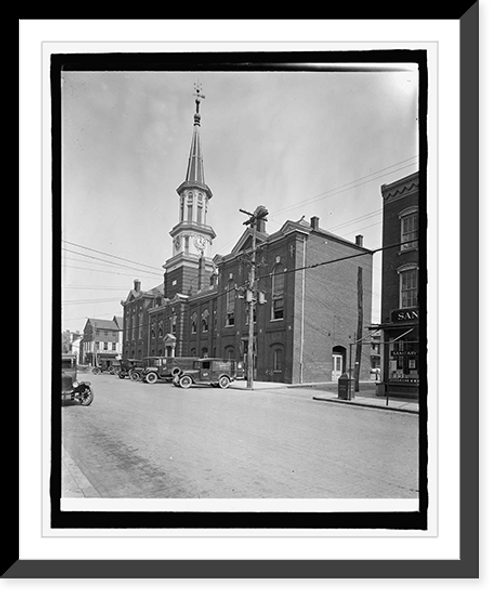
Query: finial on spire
[198, 95]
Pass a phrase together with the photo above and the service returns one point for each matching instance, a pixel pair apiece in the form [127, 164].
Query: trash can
[346, 387]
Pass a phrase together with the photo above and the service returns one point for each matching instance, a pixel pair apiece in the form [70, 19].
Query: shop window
[403, 361]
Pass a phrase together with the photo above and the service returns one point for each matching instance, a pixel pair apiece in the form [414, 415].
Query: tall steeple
[192, 236]
[195, 174]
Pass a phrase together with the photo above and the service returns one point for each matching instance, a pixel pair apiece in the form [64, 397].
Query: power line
[110, 255]
[101, 271]
[358, 182]
[103, 260]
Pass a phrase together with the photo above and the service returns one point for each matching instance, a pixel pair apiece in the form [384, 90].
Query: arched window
[229, 352]
[194, 319]
[277, 359]
[278, 290]
[204, 321]
[173, 324]
[230, 296]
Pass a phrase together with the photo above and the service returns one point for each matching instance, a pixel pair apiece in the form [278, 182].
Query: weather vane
[198, 95]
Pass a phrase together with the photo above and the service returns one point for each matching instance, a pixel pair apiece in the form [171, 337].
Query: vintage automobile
[212, 371]
[71, 388]
[165, 368]
[126, 366]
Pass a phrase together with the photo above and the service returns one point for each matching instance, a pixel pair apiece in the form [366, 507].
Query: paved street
[158, 441]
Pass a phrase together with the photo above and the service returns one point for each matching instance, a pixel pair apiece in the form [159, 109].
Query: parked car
[71, 388]
[126, 365]
[211, 371]
[165, 368]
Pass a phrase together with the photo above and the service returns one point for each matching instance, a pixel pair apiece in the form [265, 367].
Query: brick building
[309, 314]
[400, 288]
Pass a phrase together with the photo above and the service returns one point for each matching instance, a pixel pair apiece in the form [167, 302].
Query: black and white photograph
[248, 315]
[242, 281]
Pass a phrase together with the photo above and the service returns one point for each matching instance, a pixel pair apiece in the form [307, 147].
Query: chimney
[359, 240]
[315, 223]
[261, 225]
[137, 285]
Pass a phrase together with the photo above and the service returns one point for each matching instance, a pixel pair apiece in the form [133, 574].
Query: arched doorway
[338, 362]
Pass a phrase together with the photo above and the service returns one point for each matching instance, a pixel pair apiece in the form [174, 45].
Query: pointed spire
[195, 174]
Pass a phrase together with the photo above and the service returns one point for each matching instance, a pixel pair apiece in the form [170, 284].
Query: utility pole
[259, 214]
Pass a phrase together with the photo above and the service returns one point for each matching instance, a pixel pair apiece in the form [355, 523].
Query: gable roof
[102, 323]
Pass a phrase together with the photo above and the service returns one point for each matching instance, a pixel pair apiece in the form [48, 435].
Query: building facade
[401, 278]
[102, 341]
[314, 294]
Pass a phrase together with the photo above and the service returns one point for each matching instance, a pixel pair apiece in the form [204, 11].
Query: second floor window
[230, 304]
[278, 290]
[409, 288]
[204, 321]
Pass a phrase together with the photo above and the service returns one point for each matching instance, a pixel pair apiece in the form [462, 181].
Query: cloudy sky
[300, 143]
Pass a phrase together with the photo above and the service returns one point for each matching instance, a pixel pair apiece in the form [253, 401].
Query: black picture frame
[467, 566]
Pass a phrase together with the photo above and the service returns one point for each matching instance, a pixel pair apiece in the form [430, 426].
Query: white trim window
[409, 228]
[408, 286]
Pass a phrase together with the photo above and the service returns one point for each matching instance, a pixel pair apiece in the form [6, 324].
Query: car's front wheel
[151, 378]
[134, 376]
[185, 382]
[87, 397]
[224, 382]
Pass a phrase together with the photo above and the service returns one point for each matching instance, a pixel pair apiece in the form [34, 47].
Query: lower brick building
[308, 320]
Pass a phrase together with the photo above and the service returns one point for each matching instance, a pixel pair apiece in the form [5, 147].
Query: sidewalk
[327, 392]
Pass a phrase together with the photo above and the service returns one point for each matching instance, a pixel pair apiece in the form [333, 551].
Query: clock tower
[191, 236]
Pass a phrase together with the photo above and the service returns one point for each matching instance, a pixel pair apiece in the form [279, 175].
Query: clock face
[200, 242]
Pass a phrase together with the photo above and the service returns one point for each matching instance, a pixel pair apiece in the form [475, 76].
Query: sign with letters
[403, 315]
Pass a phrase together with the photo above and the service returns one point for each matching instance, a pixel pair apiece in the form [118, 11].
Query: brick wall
[331, 309]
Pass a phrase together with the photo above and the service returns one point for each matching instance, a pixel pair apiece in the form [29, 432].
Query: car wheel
[176, 371]
[151, 378]
[224, 382]
[134, 376]
[87, 397]
[185, 382]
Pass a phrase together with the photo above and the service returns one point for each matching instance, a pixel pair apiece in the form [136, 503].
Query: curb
[367, 405]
